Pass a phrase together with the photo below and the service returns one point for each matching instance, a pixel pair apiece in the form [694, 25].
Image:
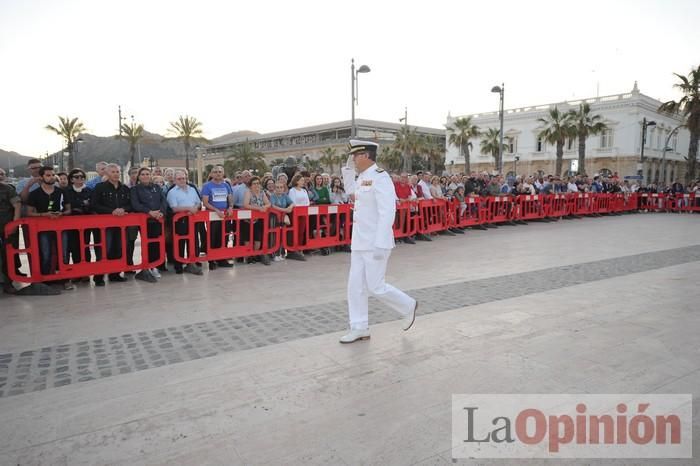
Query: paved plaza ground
[243, 365]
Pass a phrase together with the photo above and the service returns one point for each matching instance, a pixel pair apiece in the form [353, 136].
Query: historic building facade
[616, 150]
[312, 140]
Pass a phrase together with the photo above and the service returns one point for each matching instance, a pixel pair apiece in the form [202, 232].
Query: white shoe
[155, 272]
[277, 258]
[409, 320]
[355, 335]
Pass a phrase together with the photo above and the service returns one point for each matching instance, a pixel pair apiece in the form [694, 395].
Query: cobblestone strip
[55, 366]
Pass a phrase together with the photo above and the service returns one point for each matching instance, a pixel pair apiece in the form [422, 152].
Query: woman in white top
[297, 193]
[300, 198]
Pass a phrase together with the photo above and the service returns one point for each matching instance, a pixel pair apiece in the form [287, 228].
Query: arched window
[606, 173]
[540, 172]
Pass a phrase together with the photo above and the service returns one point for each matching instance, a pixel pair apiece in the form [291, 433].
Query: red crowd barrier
[317, 227]
[212, 238]
[406, 220]
[531, 207]
[602, 204]
[82, 245]
[683, 203]
[433, 216]
[652, 202]
[500, 209]
[468, 215]
[78, 246]
[556, 205]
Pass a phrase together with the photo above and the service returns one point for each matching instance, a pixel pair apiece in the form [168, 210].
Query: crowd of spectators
[161, 194]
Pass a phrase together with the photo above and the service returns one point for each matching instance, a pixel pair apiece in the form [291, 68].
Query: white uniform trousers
[367, 278]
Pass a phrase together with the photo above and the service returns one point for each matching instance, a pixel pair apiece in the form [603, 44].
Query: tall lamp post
[353, 85]
[404, 120]
[666, 148]
[198, 152]
[76, 146]
[500, 90]
[640, 167]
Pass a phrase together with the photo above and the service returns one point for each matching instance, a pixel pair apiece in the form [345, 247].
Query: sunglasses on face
[76, 177]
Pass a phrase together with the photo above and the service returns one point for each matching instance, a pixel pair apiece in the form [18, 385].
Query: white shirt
[374, 210]
[425, 187]
[572, 188]
[299, 197]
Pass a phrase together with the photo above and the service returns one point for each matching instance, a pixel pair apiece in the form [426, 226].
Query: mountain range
[94, 149]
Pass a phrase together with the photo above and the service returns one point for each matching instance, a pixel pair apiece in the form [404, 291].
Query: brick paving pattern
[55, 366]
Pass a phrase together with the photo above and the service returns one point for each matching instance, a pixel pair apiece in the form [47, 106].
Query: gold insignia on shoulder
[380, 170]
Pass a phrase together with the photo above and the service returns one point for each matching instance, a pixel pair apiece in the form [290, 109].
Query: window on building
[539, 146]
[343, 133]
[605, 172]
[570, 144]
[606, 139]
[652, 138]
[674, 142]
[512, 145]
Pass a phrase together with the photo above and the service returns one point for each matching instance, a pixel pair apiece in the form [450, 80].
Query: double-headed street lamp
[500, 90]
[353, 85]
[640, 167]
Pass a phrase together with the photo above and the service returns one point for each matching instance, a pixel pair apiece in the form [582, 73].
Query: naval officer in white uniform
[372, 241]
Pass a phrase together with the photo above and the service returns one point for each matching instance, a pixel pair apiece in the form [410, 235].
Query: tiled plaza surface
[242, 366]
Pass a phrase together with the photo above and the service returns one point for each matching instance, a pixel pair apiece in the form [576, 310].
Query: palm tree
[557, 129]
[585, 125]
[689, 107]
[435, 153]
[245, 157]
[409, 143]
[132, 133]
[186, 129]
[490, 141]
[390, 158]
[461, 131]
[69, 129]
[329, 158]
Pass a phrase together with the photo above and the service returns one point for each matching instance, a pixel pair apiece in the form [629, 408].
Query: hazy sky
[275, 65]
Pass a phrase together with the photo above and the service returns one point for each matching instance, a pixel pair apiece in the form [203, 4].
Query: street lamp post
[500, 90]
[640, 167]
[353, 85]
[76, 146]
[666, 148]
[405, 151]
[198, 152]
[515, 165]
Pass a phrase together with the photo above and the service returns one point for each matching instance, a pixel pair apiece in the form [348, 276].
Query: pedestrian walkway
[224, 369]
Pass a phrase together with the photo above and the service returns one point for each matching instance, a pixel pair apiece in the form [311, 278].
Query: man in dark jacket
[148, 198]
[113, 197]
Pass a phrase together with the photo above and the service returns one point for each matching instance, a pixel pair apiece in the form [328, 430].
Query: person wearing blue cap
[372, 241]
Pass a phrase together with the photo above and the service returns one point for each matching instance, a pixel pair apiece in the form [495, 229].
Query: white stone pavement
[385, 401]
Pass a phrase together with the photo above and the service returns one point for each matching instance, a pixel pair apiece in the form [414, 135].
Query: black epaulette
[380, 170]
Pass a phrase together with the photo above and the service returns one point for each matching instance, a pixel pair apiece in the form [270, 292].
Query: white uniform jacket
[374, 209]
